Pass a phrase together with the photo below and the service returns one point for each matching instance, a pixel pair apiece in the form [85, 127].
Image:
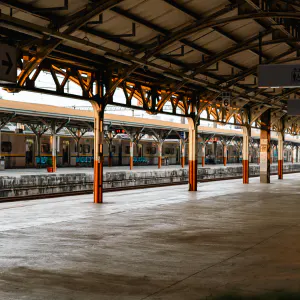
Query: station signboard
[278, 76]
[8, 64]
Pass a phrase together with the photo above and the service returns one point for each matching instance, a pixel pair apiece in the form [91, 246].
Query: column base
[182, 162]
[280, 169]
[193, 170]
[245, 171]
[98, 181]
[131, 163]
[225, 161]
[109, 161]
[54, 164]
[159, 161]
[203, 161]
[264, 178]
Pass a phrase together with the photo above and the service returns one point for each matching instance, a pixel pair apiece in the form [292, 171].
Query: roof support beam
[89, 13]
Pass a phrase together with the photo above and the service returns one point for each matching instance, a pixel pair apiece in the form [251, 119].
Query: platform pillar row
[131, 155]
[265, 146]
[225, 155]
[193, 163]
[98, 152]
[280, 155]
[203, 154]
[246, 137]
[182, 153]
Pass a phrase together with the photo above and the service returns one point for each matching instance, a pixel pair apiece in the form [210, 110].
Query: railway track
[117, 189]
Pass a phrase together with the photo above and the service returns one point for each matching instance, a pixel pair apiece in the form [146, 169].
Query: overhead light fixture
[172, 76]
[118, 59]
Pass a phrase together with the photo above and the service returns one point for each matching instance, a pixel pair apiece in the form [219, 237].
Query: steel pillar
[203, 155]
[193, 163]
[280, 154]
[54, 152]
[225, 155]
[265, 145]
[98, 152]
[131, 155]
[159, 148]
[215, 145]
[182, 153]
[246, 136]
[294, 155]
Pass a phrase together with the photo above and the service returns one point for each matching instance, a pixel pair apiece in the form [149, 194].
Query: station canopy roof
[209, 47]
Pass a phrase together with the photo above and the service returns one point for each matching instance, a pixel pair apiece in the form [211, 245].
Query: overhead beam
[89, 13]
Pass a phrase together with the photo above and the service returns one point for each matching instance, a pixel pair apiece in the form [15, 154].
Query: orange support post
[182, 153]
[203, 155]
[109, 160]
[280, 155]
[265, 145]
[54, 150]
[159, 147]
[225, 155]
[246, 135]
[193, 163]
[131, 156]
[98, 152]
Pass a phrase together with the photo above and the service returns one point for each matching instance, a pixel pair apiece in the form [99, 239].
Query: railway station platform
[38, 183]
[165, 243]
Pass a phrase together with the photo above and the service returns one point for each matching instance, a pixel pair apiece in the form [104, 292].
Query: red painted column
[193, 163]
[293, 154]
[159, 148]
[131, 156]
[246, 136]
[203, 155]
[182, 153]
[265, 139]
[109, 161]
[280, 155]
[98, 152]
[54, 152]
[225, 155]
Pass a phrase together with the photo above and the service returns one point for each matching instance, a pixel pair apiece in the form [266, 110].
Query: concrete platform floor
[33, 171]
[161, 243]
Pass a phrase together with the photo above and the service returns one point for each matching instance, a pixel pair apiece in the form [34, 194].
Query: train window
[45, 148]
[151, 150]
[6, 147]
[169, 150]
[86, 148]
[127, 149]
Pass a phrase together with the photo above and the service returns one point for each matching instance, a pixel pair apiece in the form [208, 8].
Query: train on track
[20, 150]
[22, 147]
